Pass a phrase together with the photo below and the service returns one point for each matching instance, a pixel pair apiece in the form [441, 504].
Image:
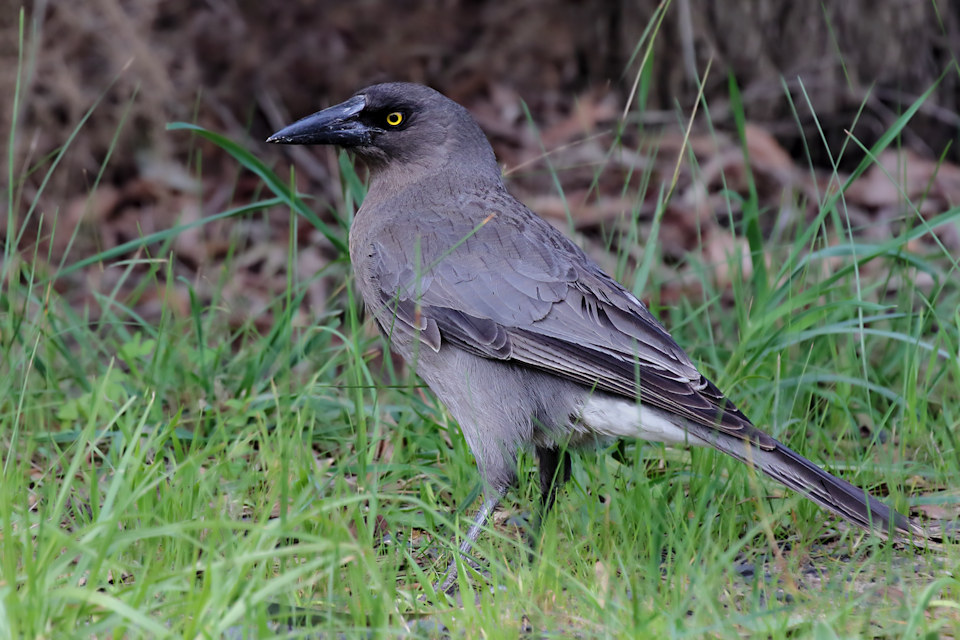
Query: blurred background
[102, 78]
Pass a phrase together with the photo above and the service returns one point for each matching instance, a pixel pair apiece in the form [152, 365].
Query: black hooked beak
[335, 125]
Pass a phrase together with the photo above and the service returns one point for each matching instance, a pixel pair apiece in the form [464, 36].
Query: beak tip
[334, 125]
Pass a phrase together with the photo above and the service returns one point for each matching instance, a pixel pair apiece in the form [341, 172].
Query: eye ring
[394, 118]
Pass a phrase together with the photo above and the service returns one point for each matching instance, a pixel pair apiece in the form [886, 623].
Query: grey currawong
[522, 336]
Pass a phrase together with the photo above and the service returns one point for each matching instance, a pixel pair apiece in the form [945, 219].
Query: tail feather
[838, 496]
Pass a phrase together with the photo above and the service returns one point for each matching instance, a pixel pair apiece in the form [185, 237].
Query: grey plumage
[521, 335]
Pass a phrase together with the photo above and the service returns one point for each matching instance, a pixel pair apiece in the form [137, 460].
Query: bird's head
[397, 125]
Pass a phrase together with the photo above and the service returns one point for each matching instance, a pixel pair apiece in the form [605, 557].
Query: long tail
[839, 496]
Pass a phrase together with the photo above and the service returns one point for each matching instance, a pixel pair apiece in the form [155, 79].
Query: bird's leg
[554, 473]
[551, 481]
[491, 498]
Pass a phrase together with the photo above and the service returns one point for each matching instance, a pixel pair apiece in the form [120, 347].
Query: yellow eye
[395, 118]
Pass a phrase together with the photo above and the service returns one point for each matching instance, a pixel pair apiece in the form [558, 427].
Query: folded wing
[540, 301]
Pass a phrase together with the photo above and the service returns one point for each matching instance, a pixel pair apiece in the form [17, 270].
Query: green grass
[185, 478]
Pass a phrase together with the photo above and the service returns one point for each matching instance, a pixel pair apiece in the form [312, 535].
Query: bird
[528, 343]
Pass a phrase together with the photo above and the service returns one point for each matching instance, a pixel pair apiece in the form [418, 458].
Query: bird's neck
[447, 178]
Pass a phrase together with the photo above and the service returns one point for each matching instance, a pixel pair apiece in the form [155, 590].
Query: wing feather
[541, 302]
